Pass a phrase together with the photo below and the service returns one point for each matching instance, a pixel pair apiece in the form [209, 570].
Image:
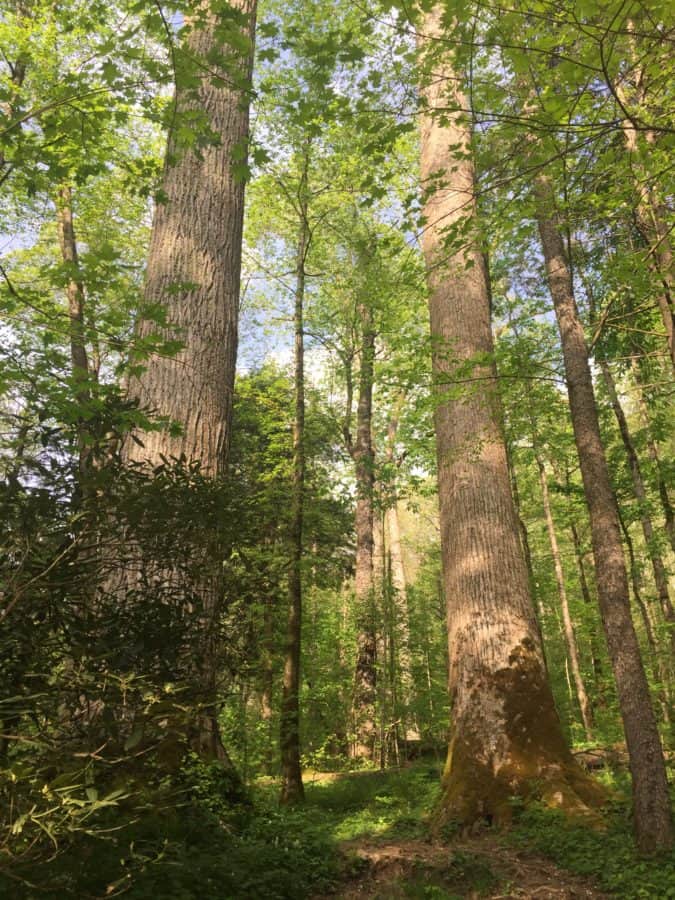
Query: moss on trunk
[525, 760]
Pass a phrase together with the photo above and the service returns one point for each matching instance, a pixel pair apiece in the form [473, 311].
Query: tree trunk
[658, 568]
[267, 678]
[399, 586]
[193, 273]
[292, 789]
[525, 544]
[652, 449]
[588, 600]
[193, 276]
[650, 219]
[365, 687]
[399, 581]
[505, 737]
[648, 623]
[653, 824]
[568, 627]
[79, 362]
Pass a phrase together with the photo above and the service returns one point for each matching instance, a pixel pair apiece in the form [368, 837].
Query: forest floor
[380, 847]
[397, 860]
[478, 867]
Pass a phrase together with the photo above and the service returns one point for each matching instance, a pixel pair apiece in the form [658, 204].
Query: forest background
[211, 583]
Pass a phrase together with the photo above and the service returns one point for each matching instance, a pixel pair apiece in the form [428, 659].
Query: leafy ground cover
[362, 834]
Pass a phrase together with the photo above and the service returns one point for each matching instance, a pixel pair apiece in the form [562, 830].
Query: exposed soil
[476, 867]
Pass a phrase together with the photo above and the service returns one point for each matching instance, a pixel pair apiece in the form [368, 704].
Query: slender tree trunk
[588, 600]
[399, 581]
[267, 677]
[568, 627]
[651, 222]
[652, 449]
[291, 774]
[76, 300]
[525, 542]
[193, 275]
[399, 586]
[646, 615]
[658, 568]
[653, 823]
[365, 687]
[505, 737]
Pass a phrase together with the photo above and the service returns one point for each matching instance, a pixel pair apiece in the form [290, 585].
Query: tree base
[475, 792]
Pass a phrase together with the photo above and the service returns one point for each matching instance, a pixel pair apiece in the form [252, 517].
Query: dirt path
[479, 867]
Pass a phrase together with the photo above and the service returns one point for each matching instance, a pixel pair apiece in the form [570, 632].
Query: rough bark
[568, 627]
[640, 491]
[292, 789]
[505, 737]
[652, 816]
[193, 277]
[193, 271]
[365, 678]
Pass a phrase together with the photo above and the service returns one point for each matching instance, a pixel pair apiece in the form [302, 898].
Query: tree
[506, 737]
[193, 277]
[653, 823]
[291, 788]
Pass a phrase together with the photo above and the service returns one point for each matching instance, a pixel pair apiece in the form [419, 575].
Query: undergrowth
[211, 847]
[608, 857]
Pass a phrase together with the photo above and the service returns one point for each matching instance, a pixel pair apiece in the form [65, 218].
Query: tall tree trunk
[193, 276]
[399, 586]
[658, 568]
[525, 542]
[588, 600]
[399, 581]
[651, 222]
[505, 737]
[652, 816]
[79, 362]
[646, 615]
[365, 678]
[291, 774]
[267, 678]
[568, 627]
[652, 449]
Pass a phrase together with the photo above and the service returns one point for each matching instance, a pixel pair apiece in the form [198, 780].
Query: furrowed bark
[506, 737]
[193, 277]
